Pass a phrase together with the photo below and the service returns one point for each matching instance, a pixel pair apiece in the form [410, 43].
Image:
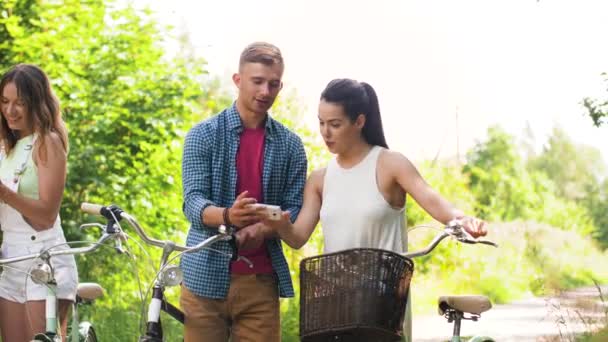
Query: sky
[444, 71]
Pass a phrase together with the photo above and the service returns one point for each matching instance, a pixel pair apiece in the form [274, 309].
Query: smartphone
[272, 211]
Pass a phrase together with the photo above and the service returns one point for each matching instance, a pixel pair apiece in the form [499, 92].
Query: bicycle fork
[154, 330]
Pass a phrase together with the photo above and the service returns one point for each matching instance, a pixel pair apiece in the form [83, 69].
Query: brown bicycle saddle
[473, 304]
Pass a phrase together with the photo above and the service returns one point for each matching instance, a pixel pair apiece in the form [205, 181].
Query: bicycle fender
[481, 339]
[83, 328]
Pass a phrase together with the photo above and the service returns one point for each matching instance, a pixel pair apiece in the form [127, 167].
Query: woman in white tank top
[360, 196]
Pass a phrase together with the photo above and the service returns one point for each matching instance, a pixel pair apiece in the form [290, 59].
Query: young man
[234, 159]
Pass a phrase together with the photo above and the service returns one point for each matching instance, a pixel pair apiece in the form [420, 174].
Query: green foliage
[127, 109]
[596, 108]
[572, 167]
[574, 176]
[506, 188]
[596, 202]
[498, 179]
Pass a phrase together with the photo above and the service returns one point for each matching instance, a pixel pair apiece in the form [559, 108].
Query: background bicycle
[42, 273]
[167, 274]
[361, 294]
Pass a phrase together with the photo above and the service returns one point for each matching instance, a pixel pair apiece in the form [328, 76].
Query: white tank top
[354, 214]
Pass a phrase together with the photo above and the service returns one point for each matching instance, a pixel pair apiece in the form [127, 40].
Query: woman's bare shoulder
[53, 148]
[317, 175]
[394, 160]
[316, 178]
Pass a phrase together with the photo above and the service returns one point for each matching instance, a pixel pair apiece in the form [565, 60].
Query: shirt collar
[235, 123]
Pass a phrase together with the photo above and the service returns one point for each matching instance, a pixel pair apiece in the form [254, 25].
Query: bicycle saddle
[473, 304]
[89, 291]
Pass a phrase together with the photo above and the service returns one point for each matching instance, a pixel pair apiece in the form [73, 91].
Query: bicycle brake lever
[227, 230]
[235, 248]
[91, 225]
[120, 249]
[489, 243]
[245, 260]
[122, 237]
[235, 252]
[472, 242]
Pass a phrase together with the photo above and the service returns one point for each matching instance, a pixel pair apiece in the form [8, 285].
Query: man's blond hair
[261, 52]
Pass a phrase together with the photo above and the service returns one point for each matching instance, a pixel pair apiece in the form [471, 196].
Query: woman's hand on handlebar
[473, 226]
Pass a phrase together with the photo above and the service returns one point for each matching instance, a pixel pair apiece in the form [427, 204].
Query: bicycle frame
[154, 332]
[158, 303]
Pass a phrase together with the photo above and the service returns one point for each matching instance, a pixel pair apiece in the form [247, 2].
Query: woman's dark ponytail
[373, 131]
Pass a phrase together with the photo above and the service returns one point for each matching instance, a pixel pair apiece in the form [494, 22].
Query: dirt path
[533, 319]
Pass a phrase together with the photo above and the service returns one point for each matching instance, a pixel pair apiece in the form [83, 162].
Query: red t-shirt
[249, 168]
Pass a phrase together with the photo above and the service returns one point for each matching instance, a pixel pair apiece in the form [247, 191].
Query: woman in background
[33, 170]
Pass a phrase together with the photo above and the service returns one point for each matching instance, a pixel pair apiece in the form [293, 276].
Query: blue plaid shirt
[209, 178]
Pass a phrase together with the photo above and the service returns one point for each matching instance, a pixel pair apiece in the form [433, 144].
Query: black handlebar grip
[111, 212]
[235, 249]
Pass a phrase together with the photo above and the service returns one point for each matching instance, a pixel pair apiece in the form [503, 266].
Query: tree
[506, 190]
[578, 173]
[596, 202]
[498, 178]
[127, 108]
[596, 108]
[572, 167]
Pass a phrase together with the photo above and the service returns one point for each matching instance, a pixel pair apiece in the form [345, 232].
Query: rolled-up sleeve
[196, 175]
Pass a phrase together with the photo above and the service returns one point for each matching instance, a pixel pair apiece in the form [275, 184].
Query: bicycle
[361, 294]
[43, 273]
[167, 274]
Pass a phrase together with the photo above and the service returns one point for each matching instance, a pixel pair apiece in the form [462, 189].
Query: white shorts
[15, 282]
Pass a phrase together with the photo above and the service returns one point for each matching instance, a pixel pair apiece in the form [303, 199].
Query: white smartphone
[272, 211]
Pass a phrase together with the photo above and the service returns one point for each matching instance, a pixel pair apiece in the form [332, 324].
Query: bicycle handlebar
[50, 253]
[455, 229]
[114, 214]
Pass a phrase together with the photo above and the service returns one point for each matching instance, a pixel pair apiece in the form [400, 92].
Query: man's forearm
[213, 216]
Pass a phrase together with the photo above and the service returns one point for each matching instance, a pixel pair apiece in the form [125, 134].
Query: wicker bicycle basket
[354, 295]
